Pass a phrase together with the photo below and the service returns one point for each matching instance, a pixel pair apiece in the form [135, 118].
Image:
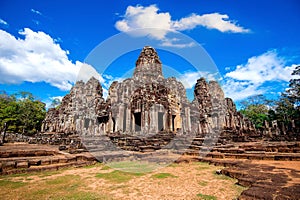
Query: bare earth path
[178, 181]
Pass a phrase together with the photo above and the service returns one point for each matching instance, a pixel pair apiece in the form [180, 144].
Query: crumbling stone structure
[147, 103]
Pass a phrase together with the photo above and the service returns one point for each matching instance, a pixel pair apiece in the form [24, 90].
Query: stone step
[47, 167]
[28, 162]
[30, 153]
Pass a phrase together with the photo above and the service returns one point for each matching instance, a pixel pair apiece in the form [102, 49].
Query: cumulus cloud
[216, 21]
[148, 21]
[143, 18]
[36, 58]
[189, 79]
[249, 79]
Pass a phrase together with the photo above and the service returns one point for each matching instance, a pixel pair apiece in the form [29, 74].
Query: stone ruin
[147, 104]
[150, 105]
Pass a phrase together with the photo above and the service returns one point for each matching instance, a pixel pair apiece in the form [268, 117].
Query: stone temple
[145, 104]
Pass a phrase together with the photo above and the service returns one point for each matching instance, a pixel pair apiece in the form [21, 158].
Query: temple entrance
[160, 121]
[138, 121]
[124, 120]
[114, 124]
[102, 119]
[86, 123]
[173, 122]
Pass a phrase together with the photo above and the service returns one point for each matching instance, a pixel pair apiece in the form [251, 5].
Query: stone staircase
[23, 158]
[251, 150]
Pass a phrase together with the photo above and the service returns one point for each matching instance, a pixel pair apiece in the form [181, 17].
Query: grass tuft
[134, 166]
[118, 176]
[203, 183]
[163, 175]
[12, 184]
[206, 197]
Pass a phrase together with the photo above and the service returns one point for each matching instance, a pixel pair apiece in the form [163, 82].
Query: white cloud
[266, 67]
[173, 43]
[107, 81]
[49, 100]
[189, 79]
[143, 18]
[57, 97]
[211, 21]
[87, 71]
[3, 22]
[239, 90]
[36, 58]
[148, 21]
[36, 11]
[249, 79]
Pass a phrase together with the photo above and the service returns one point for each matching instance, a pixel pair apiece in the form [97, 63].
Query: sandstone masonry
[147, 104]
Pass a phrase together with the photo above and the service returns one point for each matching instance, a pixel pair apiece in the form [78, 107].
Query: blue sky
[254, 44]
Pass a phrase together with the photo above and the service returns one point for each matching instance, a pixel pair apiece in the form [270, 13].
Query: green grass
[203, 183]
[49, 173]
[105, 167]
[12, 184]
[72, 186]
[82, 196]
[63, 193]
[202, 165]
[134, 166]
[40, 174]
[118, 176]
[173, 165]
[163, 175]
[16, 175]
[61, 187]
[206, 197]
[63, 179]
[239, 188]
[98, 164]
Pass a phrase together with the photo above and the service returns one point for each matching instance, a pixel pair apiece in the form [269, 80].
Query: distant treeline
[21, 113]
[285, 110]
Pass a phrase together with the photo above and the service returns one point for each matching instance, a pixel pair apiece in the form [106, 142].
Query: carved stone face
[148, 52]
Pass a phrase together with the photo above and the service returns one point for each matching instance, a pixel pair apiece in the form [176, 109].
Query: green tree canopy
[256, 108]
[22, 112]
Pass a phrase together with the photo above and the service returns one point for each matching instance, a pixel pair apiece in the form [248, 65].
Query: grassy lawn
[99, 181]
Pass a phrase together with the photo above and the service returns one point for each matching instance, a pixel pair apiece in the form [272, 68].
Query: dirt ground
[177, 181]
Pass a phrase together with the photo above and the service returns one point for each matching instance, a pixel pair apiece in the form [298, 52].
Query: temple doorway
[160, 121]
[138, 120]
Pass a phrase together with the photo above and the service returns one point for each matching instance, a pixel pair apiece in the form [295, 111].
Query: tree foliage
[256, 108]
[55, 103]
[285, 110]
[22, 112]
[293, 93]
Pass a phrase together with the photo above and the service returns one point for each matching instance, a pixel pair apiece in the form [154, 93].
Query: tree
[293, 93]
[288, 106]
[32, 113]
[257, 114]
[21, 112]
[55, 103]
[256, 108]
[9, 110]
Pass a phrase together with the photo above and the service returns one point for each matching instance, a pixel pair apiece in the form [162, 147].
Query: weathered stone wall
[147, 103]
[79, 111]
[218, 114]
